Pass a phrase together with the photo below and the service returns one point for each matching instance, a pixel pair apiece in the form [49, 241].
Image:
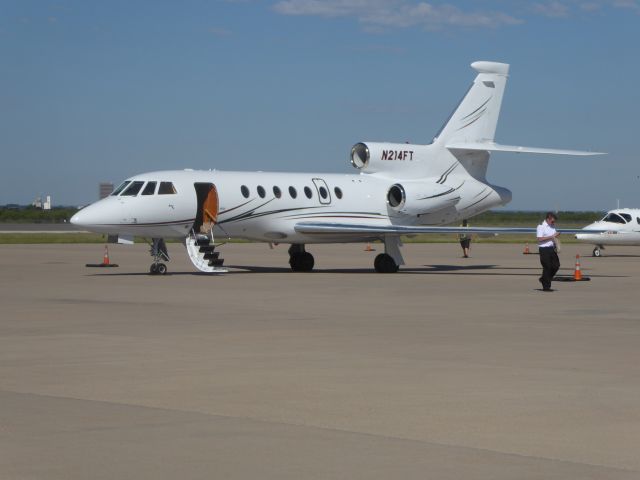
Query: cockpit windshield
[120, 188]
[149, 188]
[133, 189]
[615, 218]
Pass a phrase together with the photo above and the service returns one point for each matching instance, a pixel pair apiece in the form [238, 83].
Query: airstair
[202, 253]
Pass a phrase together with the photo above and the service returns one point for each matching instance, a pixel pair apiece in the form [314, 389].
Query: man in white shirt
[546, 233]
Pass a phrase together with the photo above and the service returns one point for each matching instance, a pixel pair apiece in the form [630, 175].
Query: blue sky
[98, 91]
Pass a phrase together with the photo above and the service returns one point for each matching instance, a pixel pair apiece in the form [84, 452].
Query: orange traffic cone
[577, 274]
[368, 248]
[105, 258]
[526, 249]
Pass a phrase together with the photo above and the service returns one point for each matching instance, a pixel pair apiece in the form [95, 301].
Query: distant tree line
[36, 215]
[501, 217]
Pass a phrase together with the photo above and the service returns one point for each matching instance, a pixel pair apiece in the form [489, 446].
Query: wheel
[161, 269]
[301, 262]
[306, 262]
[596, 252]
[153, 269]
[294, 261]
[384, 263]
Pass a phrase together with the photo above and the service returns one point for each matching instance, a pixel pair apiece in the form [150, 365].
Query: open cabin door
[207, 210]
[199, 243]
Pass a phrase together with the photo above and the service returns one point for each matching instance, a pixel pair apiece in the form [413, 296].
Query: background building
[105, 189]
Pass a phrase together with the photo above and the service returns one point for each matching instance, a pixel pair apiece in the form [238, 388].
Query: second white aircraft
[618, 227]
[400, 189]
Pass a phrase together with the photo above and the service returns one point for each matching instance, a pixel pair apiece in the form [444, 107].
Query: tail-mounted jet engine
[386, 157]
[418, 198]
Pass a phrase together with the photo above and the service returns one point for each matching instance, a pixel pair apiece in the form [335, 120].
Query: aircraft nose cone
[86, 217]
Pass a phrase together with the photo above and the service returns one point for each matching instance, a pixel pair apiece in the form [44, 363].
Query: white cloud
[551, 9]
[590, 6]
[628, 4]
[377, 15]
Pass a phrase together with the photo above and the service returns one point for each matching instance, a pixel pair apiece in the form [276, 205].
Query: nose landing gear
[159, 253]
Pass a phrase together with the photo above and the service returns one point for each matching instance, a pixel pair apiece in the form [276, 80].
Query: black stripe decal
[470, 123]
[446, 172]
[151, 224]
[449, 172]
[235, 208]
[463, 118]
[438, 195]
[478, 201]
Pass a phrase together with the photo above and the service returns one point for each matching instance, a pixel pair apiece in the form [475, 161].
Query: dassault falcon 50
[400, 189]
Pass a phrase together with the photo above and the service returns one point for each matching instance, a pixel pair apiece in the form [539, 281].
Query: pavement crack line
[328, 429]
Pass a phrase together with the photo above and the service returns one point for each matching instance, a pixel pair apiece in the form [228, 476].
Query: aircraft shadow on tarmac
[494, 270]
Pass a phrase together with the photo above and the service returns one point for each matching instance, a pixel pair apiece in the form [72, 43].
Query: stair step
[216, 262]
[207, 249]
[210, 255]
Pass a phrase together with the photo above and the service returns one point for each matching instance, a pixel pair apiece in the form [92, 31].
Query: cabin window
[614, 218]
[293, 192]
[120, 188]
[338, 192]
[308, 192]
[626, 216]
[245, 191]
[276, 192]
[166, 188]
[133, 189]
[149, 188]
[261, 191]
[323, 192]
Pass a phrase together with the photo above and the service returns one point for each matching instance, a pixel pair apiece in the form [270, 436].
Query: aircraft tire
[153, 269]
[384, 263]
[301, 262]
[596, 252]
[161, 269]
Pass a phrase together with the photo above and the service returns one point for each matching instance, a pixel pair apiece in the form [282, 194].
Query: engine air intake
[396, 196]
[360, 155]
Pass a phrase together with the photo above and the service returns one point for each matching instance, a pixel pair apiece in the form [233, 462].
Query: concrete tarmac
[452, 368]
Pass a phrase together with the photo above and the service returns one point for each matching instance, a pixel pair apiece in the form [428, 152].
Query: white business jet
[400, 189]
[618, 227]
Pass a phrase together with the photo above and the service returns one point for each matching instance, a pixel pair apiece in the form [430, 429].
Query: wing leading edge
[316, 228]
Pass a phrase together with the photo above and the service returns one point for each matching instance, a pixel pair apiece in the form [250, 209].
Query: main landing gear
[596, 251]
[299, 259]
[159, 253]
[391, 259]
[385, 263]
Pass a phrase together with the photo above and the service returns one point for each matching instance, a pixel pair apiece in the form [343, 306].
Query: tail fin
[475, 118]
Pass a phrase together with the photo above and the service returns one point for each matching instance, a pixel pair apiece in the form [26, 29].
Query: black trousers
[550, 265]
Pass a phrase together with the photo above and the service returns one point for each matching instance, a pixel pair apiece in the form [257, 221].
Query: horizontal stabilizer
[495, 147]
[314, 228]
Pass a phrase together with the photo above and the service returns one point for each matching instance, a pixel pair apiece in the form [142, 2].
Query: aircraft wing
[495, 147]
[316, 228]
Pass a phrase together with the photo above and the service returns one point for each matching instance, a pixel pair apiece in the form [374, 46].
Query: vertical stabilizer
[475, 118]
